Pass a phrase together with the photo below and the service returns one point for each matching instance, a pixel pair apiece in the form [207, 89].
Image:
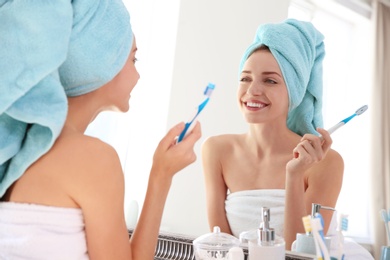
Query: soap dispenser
[263, 243]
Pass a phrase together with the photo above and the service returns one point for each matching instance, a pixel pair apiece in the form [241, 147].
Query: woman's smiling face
[262, 92]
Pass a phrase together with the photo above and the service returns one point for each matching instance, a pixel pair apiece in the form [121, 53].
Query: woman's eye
[271, 81]
[244, 79]
[135, 60]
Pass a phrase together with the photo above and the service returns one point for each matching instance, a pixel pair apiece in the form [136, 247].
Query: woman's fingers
[170, 157]
[326, 139]
[311, 149]
[194, 135]
[313, 146]
[170, 137]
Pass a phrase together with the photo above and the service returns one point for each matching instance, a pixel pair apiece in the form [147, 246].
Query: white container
[215, 245]
[305, 244]
[259, 251]
[262, 243]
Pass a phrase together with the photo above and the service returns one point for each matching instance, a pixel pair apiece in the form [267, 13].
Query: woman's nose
[255, 89]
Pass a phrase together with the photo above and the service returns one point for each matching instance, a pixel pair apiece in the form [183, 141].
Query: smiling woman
[280, 162]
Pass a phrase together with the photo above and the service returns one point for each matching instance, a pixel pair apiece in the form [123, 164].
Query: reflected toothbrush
[308, 229]
[190, 124]
[386, 219]
[312, 229]
[318, 233]
[343, 226]
[346, 120]
[306, 224]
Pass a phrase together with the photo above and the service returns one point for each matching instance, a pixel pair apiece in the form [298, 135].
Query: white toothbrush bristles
[361, 110]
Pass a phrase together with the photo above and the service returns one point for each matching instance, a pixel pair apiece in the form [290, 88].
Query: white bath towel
[243, 211]
[29, 231]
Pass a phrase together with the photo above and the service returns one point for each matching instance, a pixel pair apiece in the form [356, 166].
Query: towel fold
[29, 231]
[298, 48]
[51, 49]
[243, 210]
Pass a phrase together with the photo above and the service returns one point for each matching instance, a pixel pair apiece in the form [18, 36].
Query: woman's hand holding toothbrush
[169, 157]
[310, 150]
[313, 175]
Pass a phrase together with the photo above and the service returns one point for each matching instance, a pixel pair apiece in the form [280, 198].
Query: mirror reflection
[190, 53]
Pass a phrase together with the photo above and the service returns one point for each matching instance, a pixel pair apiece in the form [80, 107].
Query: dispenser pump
[267, 234]
[315, 208]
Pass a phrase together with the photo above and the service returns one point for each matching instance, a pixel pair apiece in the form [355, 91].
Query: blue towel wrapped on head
[298, 48]
[51, 50]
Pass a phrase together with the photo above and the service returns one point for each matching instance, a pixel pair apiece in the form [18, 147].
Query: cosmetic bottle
[263, 243]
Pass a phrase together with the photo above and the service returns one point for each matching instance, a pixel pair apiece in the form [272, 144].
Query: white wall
[212, 35]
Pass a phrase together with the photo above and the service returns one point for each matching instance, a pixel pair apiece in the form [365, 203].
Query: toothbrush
[346, 120]
[320, 231]
[343, 226]
[317, 230]
[190, 124]
[309, 230]
[386, 219]
[307, 224]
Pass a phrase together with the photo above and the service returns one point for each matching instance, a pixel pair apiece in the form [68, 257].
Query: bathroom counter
[172, 246]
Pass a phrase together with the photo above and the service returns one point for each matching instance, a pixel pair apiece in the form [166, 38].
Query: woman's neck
[82, 110]
[271, 139]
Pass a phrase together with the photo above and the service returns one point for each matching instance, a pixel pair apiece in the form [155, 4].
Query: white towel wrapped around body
[30, 231]
[243, 211]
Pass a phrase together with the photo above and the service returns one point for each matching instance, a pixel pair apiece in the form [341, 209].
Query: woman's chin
[124, 108]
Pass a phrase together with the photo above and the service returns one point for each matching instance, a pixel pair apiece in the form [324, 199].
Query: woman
[62, 192]
[281, 162]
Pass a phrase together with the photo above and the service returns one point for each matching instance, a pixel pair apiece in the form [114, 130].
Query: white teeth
[252, 104]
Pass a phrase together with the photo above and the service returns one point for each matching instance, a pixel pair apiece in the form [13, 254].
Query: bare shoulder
[330, 168]
[76, 167]
[334, 160]
[84, 151]
[220, 142]
[86, 165]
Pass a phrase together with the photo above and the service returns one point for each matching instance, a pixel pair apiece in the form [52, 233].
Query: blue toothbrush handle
[190, 124]
[184, 132]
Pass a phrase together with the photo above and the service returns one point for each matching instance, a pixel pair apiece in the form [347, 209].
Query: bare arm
[321, 184]
[97, 186]
[168, 160]
[100, 195]
[216, 188]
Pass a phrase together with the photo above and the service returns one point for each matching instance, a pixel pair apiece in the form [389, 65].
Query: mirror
[186, 46]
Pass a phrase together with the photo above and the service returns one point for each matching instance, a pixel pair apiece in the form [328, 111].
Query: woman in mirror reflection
[62, 192]
[284, 161]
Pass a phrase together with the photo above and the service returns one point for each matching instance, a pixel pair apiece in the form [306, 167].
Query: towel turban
[51, 50]
[298, 48]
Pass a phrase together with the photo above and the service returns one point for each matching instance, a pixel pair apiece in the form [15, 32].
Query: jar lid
[216, 240]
